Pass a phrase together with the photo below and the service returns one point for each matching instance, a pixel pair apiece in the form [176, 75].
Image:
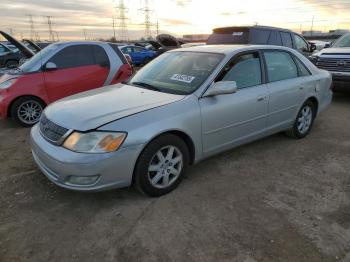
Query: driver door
[232, 119]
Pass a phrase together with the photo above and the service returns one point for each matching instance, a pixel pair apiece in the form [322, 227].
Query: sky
[79, 19]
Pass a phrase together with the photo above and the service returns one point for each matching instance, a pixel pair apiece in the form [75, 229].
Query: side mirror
[50, 66]
[312, 47]
[221, 88]
[327, 45]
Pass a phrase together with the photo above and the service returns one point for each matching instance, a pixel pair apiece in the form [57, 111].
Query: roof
[227, 49]
[249, 27]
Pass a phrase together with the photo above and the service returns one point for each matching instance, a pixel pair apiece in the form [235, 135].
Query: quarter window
[287, 39]
[280, 66]
[245, 70]
[302, 68]
[2, 49]
[74, 56]
[300, 44]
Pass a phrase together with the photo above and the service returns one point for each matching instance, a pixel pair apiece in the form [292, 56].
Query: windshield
[344, 41]
[30, 65]
[177, 72]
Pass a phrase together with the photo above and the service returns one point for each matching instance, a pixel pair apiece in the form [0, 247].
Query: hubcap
[165, 167]
[29, 112]
[304, 119]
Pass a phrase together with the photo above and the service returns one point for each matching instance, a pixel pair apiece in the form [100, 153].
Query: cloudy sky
[75, 19]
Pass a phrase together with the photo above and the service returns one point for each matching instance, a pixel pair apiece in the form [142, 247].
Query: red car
[59, 70]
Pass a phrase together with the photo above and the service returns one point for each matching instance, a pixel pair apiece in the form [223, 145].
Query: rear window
[287, 39]
[229, 36]
[259, 37]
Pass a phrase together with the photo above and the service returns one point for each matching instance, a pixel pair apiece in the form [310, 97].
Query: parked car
[18, 55]
[59, 70]
[9, 57]
[186, 105]
[139, 55]
[261, 35]
[335, 58]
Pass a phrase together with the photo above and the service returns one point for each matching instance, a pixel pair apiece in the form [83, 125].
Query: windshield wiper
[145, 85]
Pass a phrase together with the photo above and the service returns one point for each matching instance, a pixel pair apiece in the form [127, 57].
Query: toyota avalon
[184, 106]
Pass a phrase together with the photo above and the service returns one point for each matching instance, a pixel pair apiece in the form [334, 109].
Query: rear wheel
[27, 111]
[161, 165]
[304, 121]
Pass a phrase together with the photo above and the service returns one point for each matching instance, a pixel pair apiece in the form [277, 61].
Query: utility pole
[113, 20]
[51, 34]
[312, 25]
[33, 34]
[147, 12]
[157, 27]
[121, 11]
[84, 33]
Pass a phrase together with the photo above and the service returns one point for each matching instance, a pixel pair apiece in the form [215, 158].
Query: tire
[304, 121]
[11, 64]
[154, 177]
[27, 110]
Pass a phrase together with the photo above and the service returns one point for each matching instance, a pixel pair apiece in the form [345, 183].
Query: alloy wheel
[165, 166]
[305, 119]
[29, 112]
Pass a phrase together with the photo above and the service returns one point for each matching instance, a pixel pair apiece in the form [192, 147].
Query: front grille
[51, 131]
[334, 64]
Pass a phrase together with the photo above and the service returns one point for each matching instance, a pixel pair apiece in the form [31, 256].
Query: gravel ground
[276, 199]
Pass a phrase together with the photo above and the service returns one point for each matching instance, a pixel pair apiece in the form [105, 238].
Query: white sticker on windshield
[182, 78]
[237, 33]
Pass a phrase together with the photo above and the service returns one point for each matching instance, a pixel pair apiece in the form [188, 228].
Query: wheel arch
[314, 100]
[9, 108]
[179, 133]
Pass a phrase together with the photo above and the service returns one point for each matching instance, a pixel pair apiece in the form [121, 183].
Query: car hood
[334, 50]
[92, 109]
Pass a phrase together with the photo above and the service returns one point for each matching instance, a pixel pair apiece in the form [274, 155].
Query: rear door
[79, 68]
[232, 119]
[139, 54]
[285, 90]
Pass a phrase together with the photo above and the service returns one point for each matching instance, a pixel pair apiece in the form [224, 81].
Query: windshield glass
[177, 72]
[29, 66]
[344, 41]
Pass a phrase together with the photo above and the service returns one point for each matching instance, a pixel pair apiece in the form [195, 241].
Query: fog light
[82, 180]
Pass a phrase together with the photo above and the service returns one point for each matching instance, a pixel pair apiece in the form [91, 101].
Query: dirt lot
[277, 199]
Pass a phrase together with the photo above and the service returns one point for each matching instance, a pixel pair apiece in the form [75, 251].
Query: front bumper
[114, 170]
[341, 81]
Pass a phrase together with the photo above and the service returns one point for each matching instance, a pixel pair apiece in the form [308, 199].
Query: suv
[260, 35]
[8, 57]
[336, 59]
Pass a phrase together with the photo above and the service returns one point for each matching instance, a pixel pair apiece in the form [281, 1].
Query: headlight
[94, 142]
[7, 83]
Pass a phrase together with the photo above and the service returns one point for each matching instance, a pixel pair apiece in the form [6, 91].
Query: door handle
[261, 98]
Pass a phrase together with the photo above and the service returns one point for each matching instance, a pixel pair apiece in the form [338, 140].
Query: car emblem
[341, 63]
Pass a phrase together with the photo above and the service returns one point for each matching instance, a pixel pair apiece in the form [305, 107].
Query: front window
[344, 41]
[300, 43]
[29, 66]
[177, 72]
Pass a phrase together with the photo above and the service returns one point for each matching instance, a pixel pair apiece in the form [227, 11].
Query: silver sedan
[181, 108]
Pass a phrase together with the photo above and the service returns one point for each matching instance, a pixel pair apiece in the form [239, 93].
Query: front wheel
[304, 121]
[27, 111]
[161, 165]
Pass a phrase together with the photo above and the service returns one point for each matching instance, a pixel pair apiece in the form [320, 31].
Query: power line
[147, 12]
[121, 11]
